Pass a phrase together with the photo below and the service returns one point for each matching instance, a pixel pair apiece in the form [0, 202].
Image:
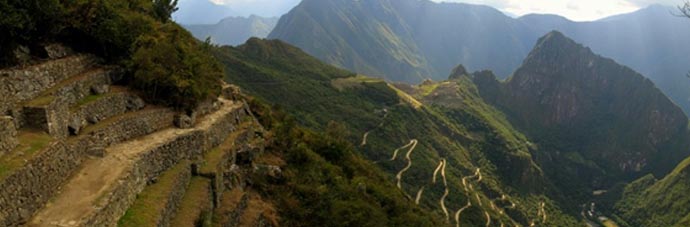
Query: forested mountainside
[233, 30]
[521, 155]
[410, 40]
[465, 164]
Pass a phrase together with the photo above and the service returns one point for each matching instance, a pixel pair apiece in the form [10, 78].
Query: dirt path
[442, 202]
[366, 134]
[395, 153]
[419, 196]
[457, 214]
[488, 219]
[97, 177]
[440, 164]
[409, 163]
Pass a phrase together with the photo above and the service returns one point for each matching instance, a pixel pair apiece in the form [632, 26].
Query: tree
[685, 9]
[163, 9]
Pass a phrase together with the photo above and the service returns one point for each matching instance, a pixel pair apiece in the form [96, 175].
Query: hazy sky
[579, 10]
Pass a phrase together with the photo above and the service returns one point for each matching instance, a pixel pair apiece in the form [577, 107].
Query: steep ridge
[651, 202]
[371, 37]
[602, 121]
[437, 36]
[323, 97]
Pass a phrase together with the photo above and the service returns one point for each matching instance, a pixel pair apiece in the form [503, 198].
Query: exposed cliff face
[572, 101]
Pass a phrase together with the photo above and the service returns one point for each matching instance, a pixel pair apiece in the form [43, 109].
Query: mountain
[201, 12]
[411, 40]
[652, 202]
[422, 141]
[234, 30]
[597, 123]
[405, 40]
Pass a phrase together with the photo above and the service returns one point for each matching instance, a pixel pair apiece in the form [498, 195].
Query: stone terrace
[75, 150]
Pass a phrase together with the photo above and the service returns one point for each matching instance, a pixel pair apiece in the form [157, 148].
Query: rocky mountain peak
[458, 72]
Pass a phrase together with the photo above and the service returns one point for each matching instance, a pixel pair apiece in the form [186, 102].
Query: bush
[168, 64]
[172, 68]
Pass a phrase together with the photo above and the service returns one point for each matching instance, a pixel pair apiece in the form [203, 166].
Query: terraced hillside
[81, 150]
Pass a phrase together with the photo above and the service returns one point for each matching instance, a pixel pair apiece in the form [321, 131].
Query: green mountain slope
[597, 123]
[648, 202]
[233, 30]
[369, 37]
[473, 144]
[409, 40]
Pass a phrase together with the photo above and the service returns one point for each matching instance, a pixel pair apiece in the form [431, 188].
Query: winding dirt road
[419, 196]
[409, 162]
[366, 134]
[442, 202]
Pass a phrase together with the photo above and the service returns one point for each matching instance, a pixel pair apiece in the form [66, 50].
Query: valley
[342, 113]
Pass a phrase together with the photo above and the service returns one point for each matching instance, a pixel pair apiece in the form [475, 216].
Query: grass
[195, 207]
[87, 100]
[609, 223]
[42, 100]
[150, 203]
[30, 142]
[215, 156]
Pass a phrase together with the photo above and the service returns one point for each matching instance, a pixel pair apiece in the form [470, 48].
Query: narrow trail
[366, 134]
[442, 202]
[488, 219]
[395, 153]
[419, 196]
[440, 164]
[409, 162]
[457, 214]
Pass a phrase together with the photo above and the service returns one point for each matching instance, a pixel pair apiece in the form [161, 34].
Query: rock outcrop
[576, 103]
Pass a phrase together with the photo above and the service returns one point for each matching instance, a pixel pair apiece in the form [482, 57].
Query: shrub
[173, 69]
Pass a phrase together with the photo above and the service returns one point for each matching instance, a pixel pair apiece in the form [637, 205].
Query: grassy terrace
[195, 208]
[215, 156]
[46, 97]
[150, 203]
[30, 142]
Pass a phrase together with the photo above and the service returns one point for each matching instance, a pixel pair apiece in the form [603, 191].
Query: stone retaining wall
[148, 166]
[8, 135]
[25, 190]
[23, 84]
[104, 108]
[129, 126]
[175, 197]
[29, 187]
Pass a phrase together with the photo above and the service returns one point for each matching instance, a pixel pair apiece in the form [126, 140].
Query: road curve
[409, 163]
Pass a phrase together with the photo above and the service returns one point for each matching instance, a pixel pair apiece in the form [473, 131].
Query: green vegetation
[168, 64]
[326, 183]
[150, 203]
[30, 142]
[326, 99]
[195, 207]
[648, 202]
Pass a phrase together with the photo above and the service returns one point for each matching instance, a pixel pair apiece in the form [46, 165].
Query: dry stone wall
[104, 108]
[25, 190]
[23, 84]
[8, 135]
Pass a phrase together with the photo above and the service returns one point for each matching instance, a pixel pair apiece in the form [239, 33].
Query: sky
[577, 10]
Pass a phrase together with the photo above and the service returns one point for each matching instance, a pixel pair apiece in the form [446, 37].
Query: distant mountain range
[234, 30]
[410, 40]
[201, 12]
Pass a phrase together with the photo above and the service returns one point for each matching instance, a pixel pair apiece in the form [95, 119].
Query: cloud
[579, 10]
